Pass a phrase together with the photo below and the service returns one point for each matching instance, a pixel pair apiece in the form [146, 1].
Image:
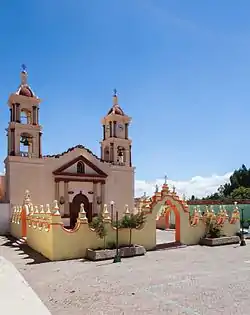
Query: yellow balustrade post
[48, 209]
[106, 214]
[41, 209]
[56, 208]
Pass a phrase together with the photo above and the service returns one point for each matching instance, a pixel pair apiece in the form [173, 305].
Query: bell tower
[24, 132]
[116, 145]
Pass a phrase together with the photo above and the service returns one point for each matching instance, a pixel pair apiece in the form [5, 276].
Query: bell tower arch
[116, 145]
[24, 132]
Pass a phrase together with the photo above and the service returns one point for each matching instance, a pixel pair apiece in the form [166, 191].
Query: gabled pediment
[80, 166]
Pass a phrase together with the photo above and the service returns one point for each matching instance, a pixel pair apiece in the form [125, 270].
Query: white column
[57, 191]
[102, 195]
[66, 198]
[98, 207]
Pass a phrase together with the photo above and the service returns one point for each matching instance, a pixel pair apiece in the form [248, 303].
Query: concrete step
[170, 245]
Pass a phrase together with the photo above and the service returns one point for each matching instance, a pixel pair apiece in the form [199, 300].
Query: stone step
[170, 245]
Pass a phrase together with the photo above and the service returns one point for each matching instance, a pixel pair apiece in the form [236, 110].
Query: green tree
[99, 226]
[237, 187]
[241, 193]
[132, 221]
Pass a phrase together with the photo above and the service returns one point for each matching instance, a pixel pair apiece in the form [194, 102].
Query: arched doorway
[168, 232]
[75, 208]
[173, 210]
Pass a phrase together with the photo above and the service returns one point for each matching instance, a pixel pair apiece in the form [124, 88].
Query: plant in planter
[99, 226]
[132, 221]
[213, 229]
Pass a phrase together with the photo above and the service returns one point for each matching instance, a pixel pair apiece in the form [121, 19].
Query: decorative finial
[27, 199]
[165, 179]
[127, 209]
[82, 210]
[115, 98]
[173, 189]
[24, 75]
[156, 188]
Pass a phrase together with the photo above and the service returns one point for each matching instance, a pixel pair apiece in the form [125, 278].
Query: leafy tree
[132, 221]
[215, 196]
[99, 226]
[241, 193]
[237, 188]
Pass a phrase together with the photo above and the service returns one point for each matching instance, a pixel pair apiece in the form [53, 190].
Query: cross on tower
[165, 179]
[23, 66]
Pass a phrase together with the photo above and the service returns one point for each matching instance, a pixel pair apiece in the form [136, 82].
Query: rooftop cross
[23, 66]
[115, 92]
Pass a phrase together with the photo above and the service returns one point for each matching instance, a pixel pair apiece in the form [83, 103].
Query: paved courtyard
[167, 236]
[192, 280]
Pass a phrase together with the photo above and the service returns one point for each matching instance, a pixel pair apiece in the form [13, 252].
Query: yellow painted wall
[47, 235]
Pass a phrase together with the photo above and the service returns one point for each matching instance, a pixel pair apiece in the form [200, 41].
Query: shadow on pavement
[25, 251]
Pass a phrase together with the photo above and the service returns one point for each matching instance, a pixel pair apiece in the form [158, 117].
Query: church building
[73, 177]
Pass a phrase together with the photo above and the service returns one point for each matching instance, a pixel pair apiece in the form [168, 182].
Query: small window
[80, 168]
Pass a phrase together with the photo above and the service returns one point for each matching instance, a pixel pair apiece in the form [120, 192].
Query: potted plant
[213, 235]
[128, 221]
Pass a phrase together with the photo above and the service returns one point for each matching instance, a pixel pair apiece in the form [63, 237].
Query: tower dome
[116, 109]
[24, 89]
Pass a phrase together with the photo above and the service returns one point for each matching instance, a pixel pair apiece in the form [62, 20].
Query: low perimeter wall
[5, 216]
[45, 232]
[47, 235]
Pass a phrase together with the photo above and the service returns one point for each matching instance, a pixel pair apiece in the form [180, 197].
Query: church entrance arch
[75, 208]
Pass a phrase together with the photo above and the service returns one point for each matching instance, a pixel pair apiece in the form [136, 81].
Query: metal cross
[173, 189]
[115, 92]
[24, 68]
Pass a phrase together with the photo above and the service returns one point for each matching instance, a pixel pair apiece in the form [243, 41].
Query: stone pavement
[16, 296]
[194, 280]
[165, 236]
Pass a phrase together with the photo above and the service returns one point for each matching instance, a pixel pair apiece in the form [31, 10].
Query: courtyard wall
[46, 234]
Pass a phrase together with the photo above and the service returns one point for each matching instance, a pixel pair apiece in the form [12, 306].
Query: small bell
[25, 142]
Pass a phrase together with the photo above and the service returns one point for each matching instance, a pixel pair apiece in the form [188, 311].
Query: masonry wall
[46, 235]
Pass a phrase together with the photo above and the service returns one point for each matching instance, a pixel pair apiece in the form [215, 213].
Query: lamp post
[117, 255]
[112, 210]
[242, 238]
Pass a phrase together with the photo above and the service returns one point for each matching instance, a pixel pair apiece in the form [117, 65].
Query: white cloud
[198, 185]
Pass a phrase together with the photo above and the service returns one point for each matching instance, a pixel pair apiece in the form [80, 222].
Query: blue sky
[181, 69]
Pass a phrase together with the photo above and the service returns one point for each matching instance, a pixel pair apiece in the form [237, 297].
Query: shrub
[99, 226]
[213, 229]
